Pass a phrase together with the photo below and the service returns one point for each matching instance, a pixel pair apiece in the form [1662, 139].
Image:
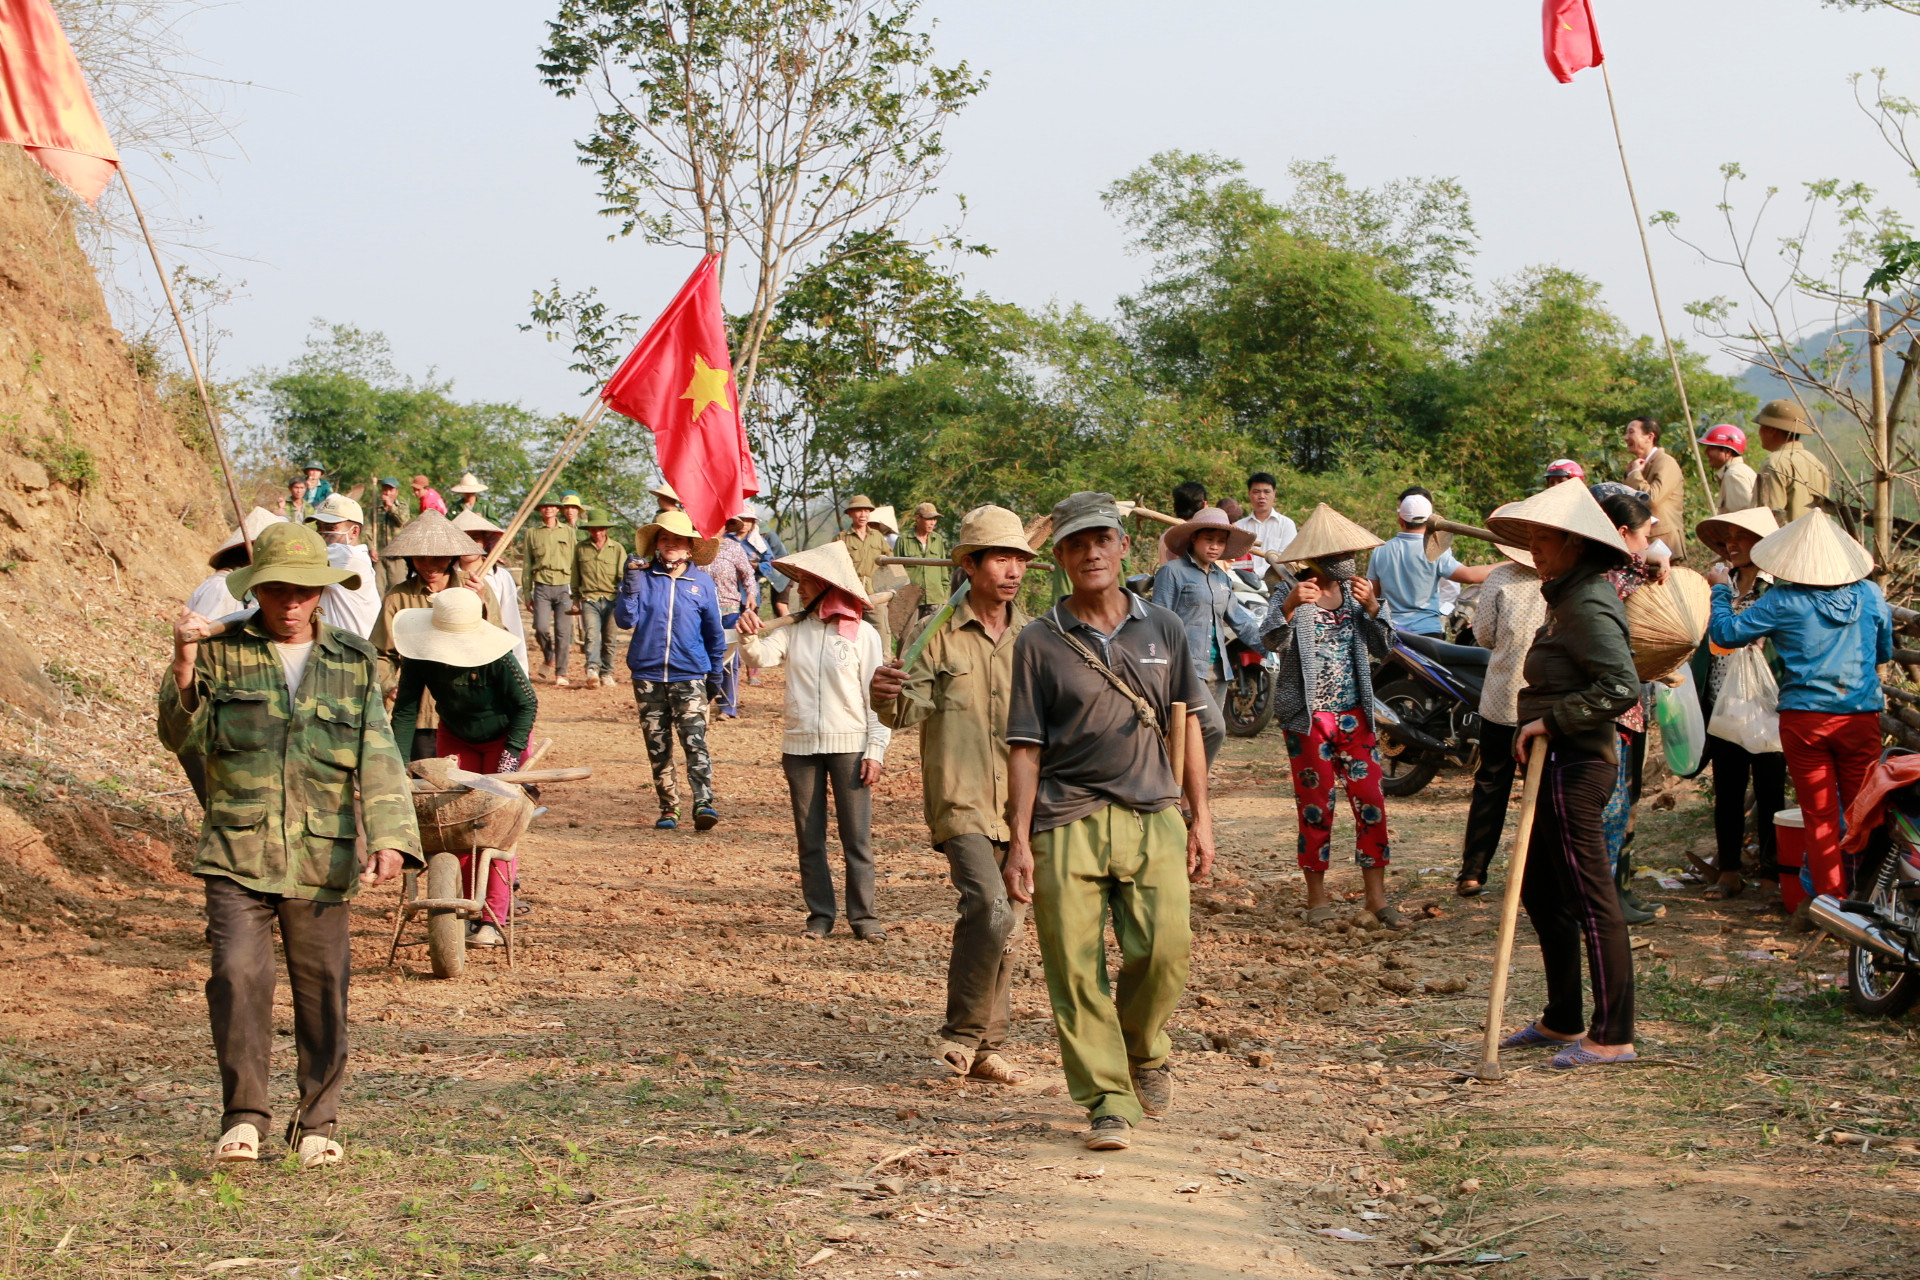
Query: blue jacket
[1831, 640]
[1204, 602]
[675, 621]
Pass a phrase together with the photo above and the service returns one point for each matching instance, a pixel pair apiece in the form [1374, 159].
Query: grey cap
[1079, 511]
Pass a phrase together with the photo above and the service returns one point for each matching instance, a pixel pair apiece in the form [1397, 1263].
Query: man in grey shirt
[1095, 820]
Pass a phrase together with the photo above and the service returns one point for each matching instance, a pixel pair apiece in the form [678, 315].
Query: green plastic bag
[1683, 726]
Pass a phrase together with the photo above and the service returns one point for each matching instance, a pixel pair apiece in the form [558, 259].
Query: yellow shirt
[866, 553]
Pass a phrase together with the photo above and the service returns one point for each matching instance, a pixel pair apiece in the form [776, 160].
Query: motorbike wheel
[1406, 774]
[446, 931]
[1249, 706]
[1876, 987]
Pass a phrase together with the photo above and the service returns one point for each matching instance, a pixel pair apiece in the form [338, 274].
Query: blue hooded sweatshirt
[1831, 641]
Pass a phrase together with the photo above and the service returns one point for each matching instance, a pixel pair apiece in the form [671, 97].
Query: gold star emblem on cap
[709, 386]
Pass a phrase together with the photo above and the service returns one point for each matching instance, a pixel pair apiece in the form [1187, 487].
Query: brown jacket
[1661, 476]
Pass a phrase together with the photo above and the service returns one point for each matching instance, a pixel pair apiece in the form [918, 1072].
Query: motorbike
[1881, 923]
[1432, 689]
[1249, 700]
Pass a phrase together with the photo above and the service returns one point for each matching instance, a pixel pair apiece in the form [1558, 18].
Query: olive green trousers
[1130, 868]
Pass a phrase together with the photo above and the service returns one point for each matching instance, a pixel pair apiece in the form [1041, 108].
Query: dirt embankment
[107, 514]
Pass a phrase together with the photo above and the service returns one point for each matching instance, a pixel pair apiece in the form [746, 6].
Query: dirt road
[675, 1083]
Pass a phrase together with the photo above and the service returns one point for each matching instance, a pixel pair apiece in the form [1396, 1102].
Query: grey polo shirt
[1093, 749]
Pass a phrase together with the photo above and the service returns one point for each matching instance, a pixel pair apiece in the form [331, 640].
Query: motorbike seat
[1463, 659]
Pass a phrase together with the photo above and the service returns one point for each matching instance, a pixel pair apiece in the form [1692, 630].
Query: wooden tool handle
[1146, 513]
[580, 773]
[1510, 913]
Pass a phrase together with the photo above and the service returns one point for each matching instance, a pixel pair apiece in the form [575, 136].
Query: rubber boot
[1631, 907]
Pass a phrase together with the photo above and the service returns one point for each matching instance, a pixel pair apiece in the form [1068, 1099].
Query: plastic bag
[1683, 727]
[1748, 710]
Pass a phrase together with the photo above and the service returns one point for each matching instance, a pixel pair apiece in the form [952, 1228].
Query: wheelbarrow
[464, 813]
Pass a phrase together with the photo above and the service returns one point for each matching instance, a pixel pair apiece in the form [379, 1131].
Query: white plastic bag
[1683, 727]
[1748, 710]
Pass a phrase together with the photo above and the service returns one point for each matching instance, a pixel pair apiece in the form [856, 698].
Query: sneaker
[1154, 1087]
[593, 677]
[705, 818]
[487, 935]
[562, 682]
[606, 682]
[668, 822]
[1110, 1133]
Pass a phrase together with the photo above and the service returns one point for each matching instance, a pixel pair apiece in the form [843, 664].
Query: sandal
[1578, 1055]
[1721, 890]
[237, 1145]
[957, 1057]
[1324, 912]
[1530, 1035]
[991, 1066]
[317, 1150]
[1469, 888]
[1390, 916]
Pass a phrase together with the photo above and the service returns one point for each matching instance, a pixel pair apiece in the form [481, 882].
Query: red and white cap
[1565, 467]
[1726, 436]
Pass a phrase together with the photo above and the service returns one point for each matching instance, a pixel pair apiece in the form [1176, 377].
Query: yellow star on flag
[709, 386]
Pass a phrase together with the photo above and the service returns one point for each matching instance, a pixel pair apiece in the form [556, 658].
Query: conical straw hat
[470, 483]
[1328, 533]
[230, 553]
[454, 631]
[1813, 551]
[884, 519]
[474, 522]
[1566, 507]
[430, 534]
[1666, 621]
[1753, 519]
[829, 563]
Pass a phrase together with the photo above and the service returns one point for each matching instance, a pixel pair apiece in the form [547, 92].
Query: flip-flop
[992, 1067]
[1460, 889]
[1575, 1055]
[1719, 891]
[237, 1145]
[1530, 1035]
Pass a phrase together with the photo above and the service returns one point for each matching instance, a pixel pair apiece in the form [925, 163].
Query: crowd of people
[1064, 755]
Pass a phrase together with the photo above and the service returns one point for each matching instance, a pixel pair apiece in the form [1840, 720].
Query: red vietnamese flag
[1573, 44]
[44, 103]
[678, 382]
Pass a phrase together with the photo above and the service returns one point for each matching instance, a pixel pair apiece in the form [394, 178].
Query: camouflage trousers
[667, 707]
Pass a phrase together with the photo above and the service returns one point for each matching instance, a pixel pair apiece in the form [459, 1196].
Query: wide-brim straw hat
[429, 534]
[453, 631]
[1813, 551]
[991, 528]
[664, 490]
[828, 563]
[885, 519]
[1753, 519]
[1179, 538]
[474, 522]
[1666, 621]
[704, 549]
[289, 553]
[1327, 533]
[1566, 507]
[232, 551]
[469, 483]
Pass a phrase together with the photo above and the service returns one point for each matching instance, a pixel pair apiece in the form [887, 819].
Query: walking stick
[1510, 914]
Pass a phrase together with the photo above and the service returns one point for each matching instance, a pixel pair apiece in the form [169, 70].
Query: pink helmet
[1726, 436]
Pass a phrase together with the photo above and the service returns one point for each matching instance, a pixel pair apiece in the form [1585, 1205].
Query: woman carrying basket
[487, 708]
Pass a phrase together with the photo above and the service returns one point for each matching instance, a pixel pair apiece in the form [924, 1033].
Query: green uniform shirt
[1791, 481]
[934, 583]
[281, 770]
[866, 553]
[550, 554]
[596, 570]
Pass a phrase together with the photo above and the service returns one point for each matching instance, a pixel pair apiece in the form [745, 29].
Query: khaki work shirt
[596, 570]
[958, 692]
[1792, 482]
[550, 554]
[1736, 487]
[866, 553]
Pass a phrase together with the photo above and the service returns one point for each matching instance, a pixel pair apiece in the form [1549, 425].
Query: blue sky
[400, 167]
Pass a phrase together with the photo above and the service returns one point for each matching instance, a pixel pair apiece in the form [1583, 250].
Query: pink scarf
[841, 610]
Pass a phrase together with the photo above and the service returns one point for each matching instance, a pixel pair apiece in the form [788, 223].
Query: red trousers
[1828, 757]
[482, 757]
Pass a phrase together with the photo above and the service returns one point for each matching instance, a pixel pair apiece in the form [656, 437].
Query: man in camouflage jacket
[289, 716]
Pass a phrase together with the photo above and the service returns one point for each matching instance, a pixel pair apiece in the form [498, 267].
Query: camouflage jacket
[280, 778]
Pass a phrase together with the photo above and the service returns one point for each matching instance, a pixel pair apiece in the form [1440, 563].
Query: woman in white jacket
[832, 735]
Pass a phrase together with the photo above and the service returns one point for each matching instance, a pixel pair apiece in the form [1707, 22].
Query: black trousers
[1569, 896]
[240, 1002]
[807, 781]
[1733, 766]
[980, 970]
[1487, 811]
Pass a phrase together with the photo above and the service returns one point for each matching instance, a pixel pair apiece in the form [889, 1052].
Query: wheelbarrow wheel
[446, 931]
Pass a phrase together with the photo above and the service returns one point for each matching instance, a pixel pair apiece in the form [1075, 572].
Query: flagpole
[193, 362]
[555, 465]
[1640, 225]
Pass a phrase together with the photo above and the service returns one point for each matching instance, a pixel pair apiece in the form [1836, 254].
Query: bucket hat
[1784, 415]
[1328, 535]
[338, 508]
[1725, 436]
[664, 490]
[232, 551]
[471, 522]
[1078, 512]
[1179, 539]
[453, 630]
[1753, 519]
[429, 534]
[884, 519]
[926, 511]
[828, 563]
[704, 549]
[595, 518]
[991, 528]
[469, 483]
[1813, 551]
[1566, 507]
[856, 502]
[290, 553]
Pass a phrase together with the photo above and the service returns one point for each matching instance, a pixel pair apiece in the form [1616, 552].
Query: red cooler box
[1790, 846]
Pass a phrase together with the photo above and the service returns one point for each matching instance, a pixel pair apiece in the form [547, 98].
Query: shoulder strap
[1144, 710]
